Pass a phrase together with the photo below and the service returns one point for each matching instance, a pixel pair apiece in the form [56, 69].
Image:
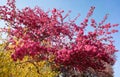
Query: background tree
[24, 68]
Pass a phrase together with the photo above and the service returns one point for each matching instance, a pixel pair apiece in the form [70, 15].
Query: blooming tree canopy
[48, 35]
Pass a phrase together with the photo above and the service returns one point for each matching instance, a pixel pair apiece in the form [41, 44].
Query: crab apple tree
[46, 35]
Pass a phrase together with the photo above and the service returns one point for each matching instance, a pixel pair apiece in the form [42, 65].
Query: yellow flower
[0, 17]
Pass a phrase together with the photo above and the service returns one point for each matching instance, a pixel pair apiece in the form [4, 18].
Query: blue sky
[82, 6]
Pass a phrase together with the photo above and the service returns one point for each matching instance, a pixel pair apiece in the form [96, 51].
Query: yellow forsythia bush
[24, 68]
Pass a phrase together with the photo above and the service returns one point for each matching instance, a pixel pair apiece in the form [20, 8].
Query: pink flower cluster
[86, 53]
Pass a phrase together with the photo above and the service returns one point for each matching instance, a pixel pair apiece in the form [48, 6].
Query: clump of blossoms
[38, 34]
